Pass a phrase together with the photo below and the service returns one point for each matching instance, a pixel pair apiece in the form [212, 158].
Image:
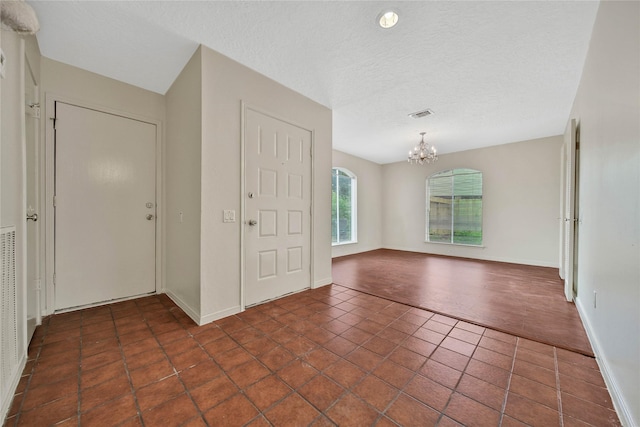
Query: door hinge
[54, 201]
[54, 279]
[55, 120]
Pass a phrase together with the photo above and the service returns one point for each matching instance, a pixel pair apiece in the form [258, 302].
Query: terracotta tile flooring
[522, 300]
[323, 357]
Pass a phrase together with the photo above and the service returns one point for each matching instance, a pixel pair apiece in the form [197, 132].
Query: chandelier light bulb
[422, 153]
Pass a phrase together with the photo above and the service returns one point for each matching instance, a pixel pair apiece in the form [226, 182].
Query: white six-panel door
[277, 216]
[105, 206]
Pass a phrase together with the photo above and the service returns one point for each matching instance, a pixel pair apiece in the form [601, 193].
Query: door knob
[252, 222]
[149, 217]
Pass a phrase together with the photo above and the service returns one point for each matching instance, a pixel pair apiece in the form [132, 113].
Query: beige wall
[520, 202]
[369, 203]
[225, 85]
[12, 196]
[182, 177]
[607, 107]
[61, 81]
[85, 86]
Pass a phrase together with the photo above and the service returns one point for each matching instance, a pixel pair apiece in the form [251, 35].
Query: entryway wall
[204, 134]
[218, 97]
[13, 323]
[63, 82]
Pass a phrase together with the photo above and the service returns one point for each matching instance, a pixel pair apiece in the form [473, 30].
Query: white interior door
[32, 115]
[105, 206]
[569, 211]
[277, 216]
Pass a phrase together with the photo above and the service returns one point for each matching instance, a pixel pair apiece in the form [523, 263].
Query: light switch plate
[229, 216]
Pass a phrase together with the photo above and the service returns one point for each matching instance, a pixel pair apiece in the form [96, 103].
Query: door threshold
[101, 303]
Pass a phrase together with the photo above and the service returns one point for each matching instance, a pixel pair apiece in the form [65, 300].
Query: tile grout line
[506, 392]
[344, 357]
[175, 372]
[382, 414]
[442, 413]
[126, 366]
[315, 314]
[79, 410]
[559, 393]
[28, 384]
[261, 413]
[370, 372]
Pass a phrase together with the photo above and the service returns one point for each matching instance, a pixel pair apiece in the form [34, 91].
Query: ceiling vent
[423, 113]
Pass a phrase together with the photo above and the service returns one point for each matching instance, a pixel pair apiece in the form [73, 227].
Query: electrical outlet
[229, 216]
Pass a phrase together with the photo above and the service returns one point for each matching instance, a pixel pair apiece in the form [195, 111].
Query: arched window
[454, 207]
[343, 206]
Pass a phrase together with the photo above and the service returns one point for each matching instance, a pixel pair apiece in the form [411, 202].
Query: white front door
[105, 206]
[277, 216]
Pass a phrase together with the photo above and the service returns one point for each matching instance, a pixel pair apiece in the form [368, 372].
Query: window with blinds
[343, 207]
[454, 207]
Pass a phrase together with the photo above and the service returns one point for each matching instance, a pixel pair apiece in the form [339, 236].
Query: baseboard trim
[535, 263]
[189, 311]
[13, 386]
[208, 318]
[620, 405]
[322, 282]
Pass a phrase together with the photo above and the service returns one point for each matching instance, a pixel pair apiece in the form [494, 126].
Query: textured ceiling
[493, 72]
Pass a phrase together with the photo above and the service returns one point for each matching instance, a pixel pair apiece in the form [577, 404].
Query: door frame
[49, 144]
[569, 220]
[38, 250]
[244, 106]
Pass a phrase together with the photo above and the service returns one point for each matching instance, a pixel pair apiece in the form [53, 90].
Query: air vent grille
[8, 306]
[423, 113]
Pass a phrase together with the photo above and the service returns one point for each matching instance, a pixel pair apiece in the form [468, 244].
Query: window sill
[353, 242]
[455, 244]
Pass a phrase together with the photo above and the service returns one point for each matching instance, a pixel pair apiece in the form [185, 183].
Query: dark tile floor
[324, 357]
[523, 300]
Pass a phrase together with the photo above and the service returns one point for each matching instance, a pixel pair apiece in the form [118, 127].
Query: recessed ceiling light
[387, 19]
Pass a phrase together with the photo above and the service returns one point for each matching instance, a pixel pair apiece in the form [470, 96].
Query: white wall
[225, 84]
[369, 203]
[74, 84]
[12, 194]
[607, 106]
[520, 202]
[182, 177]
[78, 84]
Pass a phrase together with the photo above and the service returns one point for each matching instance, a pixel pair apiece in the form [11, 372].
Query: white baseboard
[189, 311]
[208, 318]
[7, 397]
[322, 282]
[536, 263]
[619, 403]
[196, 316]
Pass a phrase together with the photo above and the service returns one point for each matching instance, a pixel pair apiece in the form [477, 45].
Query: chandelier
[422, 153]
